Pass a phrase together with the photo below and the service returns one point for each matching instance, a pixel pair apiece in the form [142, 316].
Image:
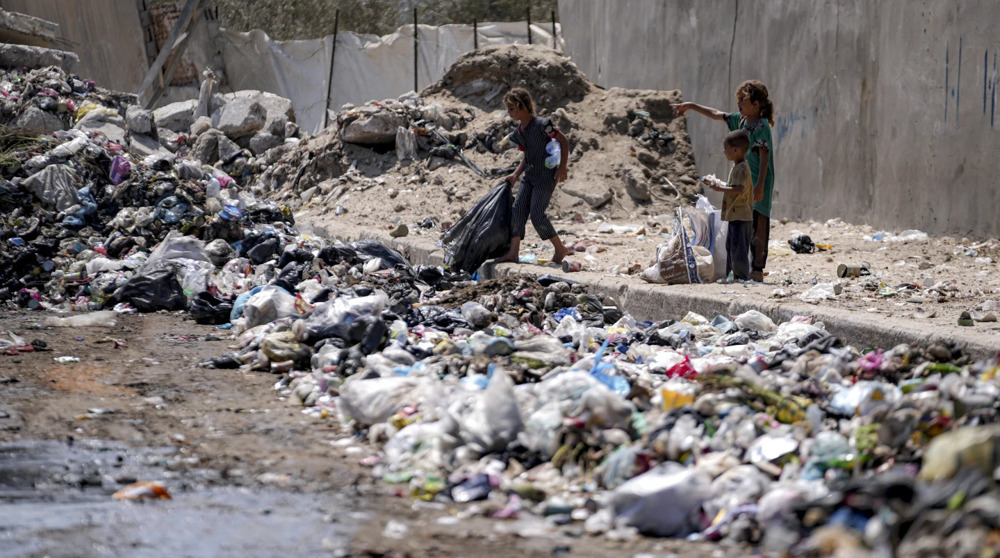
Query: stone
[145, 145]
[375, 129]
[262, 141]
[595, 197]
[227, 148]
[279, 110]
[635, 185]
[36, 121]
[206, 147]
[647, 158]
[176, 116]
[240, 118]
[138, 119]
[200, 125]
[400, 231]
[104, 121]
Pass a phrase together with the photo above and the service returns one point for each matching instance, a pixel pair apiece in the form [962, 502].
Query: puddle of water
[55, 500]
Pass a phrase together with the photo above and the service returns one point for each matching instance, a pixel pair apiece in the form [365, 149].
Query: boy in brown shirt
[737, 205]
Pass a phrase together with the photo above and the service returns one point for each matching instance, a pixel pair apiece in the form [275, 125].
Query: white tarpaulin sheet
[366, 67]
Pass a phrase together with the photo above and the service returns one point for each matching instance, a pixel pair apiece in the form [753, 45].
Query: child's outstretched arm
[563, 171]
[714, 114]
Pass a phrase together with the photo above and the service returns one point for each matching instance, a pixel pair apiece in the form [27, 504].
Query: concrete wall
[886, 111]
[105, 34]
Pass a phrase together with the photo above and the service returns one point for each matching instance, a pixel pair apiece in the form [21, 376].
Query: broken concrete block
[240, 118]
[263, 141]
[595, 197]
[145, 145]
[16, 56]
[227, 148]
[36, 121]
[105, 121]
[176, 116]
[201, 125]
[206, 147]
[68, 61]
[375, 129]
[279, 109]
[139, 120]
[635, 185]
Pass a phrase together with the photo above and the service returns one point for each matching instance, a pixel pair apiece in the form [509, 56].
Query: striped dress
[538, 183]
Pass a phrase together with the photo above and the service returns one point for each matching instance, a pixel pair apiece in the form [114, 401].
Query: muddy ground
[248, 473]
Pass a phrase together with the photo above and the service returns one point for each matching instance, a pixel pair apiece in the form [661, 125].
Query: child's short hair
[519, 97]
[738, 138]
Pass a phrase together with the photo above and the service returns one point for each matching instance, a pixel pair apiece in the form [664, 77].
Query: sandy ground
[137, 382]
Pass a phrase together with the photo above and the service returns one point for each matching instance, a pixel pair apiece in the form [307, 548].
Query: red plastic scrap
[682, 369]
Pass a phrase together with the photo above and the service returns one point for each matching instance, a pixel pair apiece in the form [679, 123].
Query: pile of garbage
[544, 401]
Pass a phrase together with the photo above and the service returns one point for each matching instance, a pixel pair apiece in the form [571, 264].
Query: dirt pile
[630, 158]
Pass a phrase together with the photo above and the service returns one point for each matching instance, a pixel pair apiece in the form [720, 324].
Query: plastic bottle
[555, 153]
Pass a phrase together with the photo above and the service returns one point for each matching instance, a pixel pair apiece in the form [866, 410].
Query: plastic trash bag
[209, 309]
[488, 420]
[269, 304]
[54, 186]
[802, 244]
[482, 233]
[344, 318]
[368, 249]
[685, 258]
[151, 291]
[663, 502]
[718, 234]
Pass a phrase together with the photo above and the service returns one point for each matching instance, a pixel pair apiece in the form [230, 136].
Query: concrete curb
[646, 301]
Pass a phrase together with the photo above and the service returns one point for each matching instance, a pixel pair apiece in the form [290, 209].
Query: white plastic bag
[686, 257]
[663, 502]
[488, 420]
[718, 236]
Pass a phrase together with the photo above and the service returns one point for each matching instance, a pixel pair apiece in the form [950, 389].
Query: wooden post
[475, 35]
[529, 25]
[415, 51]
[555, 39]
[333, 56]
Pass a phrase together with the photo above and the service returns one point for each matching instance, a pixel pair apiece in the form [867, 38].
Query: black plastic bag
[156, 290]
[482, 233]
[333, 255]
[802, 244]
[368, 249]
[206, 308]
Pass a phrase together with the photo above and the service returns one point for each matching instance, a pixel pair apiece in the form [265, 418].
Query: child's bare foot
[508, 257]
[559, 255]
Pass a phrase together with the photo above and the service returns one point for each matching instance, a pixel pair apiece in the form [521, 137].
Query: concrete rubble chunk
[206, 147]
[25, 29]
[176, 116]
[145, 145]
[263, 141]
[227, 148]
[37, 121]
[595, 195]
[635, 185]
[375, 129]
[201, 125]
[240, 118]
[139, 120]
[279, 109]
[18, 56]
